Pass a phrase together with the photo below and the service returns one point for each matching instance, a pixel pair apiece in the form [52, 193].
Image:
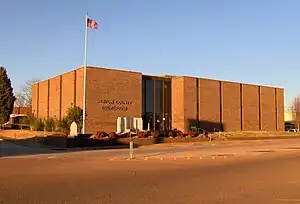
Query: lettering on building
[119, 105]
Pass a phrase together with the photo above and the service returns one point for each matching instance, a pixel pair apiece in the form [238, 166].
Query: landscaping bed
[112, 140]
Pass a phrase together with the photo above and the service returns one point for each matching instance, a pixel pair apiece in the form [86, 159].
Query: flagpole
[84, 74]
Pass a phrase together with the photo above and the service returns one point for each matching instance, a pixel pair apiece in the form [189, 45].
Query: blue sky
[255, 41]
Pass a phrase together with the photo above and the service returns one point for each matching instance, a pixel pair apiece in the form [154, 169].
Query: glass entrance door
[156, 93]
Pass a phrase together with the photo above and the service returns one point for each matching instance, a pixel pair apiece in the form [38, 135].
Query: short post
[131, 146]
[1, 147]
[164, 119]
[209, 137]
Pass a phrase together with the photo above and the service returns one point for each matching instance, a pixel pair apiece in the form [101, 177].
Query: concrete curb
[261, 138]
[90, 148]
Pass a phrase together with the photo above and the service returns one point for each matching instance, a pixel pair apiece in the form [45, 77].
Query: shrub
[179, 133]
[112, 135]
[74, 114]
[101, 134]
[141, 134]
[148, 134]
[26, 120]
[154, 134]
[37, 124]
[50, 124]
[172, 133]
[63, 125]
[192, 133]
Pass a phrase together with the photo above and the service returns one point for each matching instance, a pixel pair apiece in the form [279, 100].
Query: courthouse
[163, 102]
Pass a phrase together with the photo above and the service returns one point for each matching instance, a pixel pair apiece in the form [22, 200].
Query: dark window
[149, 96]
[156, 99]
[144, 96]
[158, 94]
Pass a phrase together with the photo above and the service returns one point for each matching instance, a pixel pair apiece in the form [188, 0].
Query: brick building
[19, 112]
[164, 102]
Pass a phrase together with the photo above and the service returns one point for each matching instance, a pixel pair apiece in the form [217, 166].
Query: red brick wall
[113, 85]
[250, 107]
[190, 103]
[62, 94]
[177, 95]
[43, 99]
[231, 107]
[79, 87]
[209, 104]
[268, 109]
[215, 105]
[68, 91]
[54, 97]
[34, 99]
[280, 110]
[22, 110]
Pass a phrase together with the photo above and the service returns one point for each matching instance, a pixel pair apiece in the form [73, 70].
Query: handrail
[217, 129]
[203, 130]
[219, 133]
[209, 134]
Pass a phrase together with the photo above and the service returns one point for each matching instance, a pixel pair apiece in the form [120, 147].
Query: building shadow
[57, 144]
[205, 125]
[11, 147]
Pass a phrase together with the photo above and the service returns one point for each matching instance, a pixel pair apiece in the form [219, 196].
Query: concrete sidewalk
[212, 150]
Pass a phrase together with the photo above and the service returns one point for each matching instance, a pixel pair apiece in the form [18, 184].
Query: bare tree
[24, 95]
[295, 109]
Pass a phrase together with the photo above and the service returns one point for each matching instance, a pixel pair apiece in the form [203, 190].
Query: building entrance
[156, 94]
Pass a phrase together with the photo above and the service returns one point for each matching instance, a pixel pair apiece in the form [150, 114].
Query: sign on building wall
[121, 105]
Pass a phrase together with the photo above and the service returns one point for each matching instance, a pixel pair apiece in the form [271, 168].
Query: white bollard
[131, 149]
[1, 147]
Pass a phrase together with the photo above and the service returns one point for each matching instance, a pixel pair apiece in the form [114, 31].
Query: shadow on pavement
[53, 144]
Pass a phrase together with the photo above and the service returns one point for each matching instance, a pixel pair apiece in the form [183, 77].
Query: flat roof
[166, 76]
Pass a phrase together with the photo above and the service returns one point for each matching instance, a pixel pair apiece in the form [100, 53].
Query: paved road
[267, 178]
[8, 149]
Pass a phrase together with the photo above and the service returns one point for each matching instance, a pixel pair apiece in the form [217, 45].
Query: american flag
[92, 24]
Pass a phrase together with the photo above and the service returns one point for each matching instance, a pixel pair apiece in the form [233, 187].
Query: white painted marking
[51, 157]
[289, 200]
[161, 158]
